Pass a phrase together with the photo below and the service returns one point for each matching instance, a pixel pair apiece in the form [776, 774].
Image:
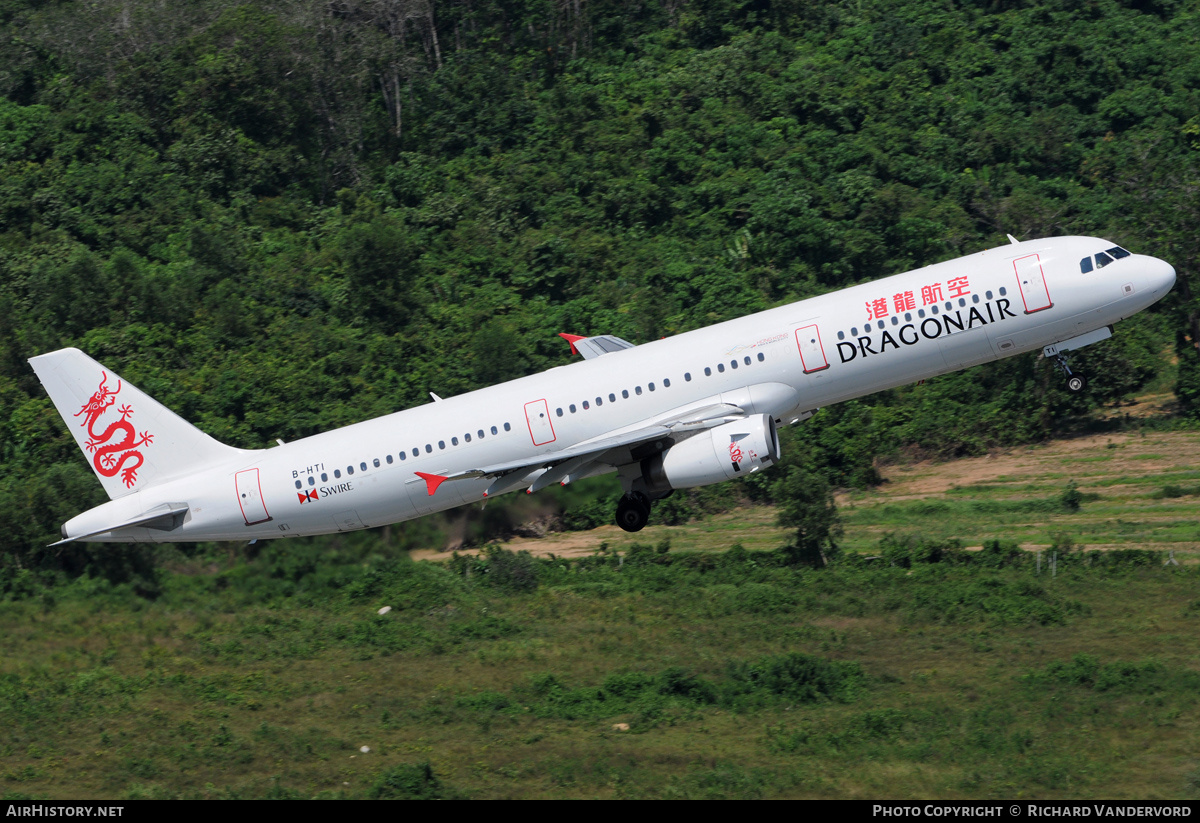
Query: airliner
[690, 410]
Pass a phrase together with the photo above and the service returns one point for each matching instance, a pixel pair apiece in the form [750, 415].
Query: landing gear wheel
[1076, 382]
[633, 512]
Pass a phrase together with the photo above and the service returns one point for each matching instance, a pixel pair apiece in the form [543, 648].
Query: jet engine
[727, 451]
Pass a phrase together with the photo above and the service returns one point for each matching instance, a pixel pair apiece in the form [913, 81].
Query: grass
[734, 679]
[689, 673]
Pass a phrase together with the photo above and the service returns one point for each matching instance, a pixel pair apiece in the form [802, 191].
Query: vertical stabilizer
[130, 440]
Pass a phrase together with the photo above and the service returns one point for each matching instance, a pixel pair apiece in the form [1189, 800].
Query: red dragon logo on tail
[111, 457]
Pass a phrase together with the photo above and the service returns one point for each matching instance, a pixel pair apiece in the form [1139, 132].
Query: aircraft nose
[1162, 275]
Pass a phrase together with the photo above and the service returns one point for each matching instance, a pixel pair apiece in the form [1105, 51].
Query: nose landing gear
[1076, 382]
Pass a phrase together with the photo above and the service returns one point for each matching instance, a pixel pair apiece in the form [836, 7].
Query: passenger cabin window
[585, 405]
[572, 408]
[349, 470]
[612, 398]
[312, 481]
[403, 455]
[441, 444]
[480, 433]
[733, 364]
[453, 441]
[687, 377]
[299, 485]
[507, 427]
[651, 386]
[707, 371]
[761, 357]
[389, 460]
[721, 368]
[599, 401]
[337, 473]
[494, 430]
[666, 382]
[625, 393]
[376, 462]
[637, 390]
[324, 477]
[362, 466]
[467, 437]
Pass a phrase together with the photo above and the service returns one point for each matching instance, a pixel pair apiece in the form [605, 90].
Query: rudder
[131, 440]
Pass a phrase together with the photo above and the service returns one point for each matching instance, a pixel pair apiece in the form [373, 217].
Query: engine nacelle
[727, 451]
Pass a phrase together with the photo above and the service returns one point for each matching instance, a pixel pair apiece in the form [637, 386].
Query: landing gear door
[537, 416]
[249, 491]
[812, 353]
[1032, 282]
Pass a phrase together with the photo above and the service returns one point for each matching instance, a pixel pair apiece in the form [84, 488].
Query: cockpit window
[1102, 260]
[1118, 252]
[1085, 265]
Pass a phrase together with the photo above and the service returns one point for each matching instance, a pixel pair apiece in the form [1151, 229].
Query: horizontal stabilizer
[166, 517]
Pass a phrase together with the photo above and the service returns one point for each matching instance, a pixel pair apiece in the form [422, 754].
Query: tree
[806, 503]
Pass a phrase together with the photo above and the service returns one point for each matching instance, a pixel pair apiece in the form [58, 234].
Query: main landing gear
[633, 511]
[1076, 382]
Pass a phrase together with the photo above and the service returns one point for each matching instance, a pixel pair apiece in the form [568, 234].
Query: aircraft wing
[612, 448]
[597, 346]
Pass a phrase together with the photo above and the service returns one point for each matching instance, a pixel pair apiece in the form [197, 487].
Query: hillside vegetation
[283, 217]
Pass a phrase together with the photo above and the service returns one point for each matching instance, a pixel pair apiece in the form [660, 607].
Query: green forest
[285, 216]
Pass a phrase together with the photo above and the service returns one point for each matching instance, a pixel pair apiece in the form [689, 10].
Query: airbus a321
[690, 410]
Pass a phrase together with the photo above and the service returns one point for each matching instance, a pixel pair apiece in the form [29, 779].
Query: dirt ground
[1092, 459]
[1131, 453]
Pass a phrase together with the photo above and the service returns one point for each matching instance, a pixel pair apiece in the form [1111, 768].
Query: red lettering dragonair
[111, 457]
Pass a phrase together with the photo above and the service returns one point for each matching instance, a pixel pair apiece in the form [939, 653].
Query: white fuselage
[781, 362]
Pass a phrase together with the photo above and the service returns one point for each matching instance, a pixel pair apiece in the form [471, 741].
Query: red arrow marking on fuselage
[432, 481]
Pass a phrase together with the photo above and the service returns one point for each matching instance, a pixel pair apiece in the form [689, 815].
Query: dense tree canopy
[286, 216]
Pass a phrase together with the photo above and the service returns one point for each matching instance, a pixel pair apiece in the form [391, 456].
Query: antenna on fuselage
[1012, 239]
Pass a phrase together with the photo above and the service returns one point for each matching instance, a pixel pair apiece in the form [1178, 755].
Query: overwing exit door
[249, 491]
[1032, 282]
[537, 416]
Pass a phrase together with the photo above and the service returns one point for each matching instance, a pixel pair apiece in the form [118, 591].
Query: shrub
[1072, 497]
[410, 781]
